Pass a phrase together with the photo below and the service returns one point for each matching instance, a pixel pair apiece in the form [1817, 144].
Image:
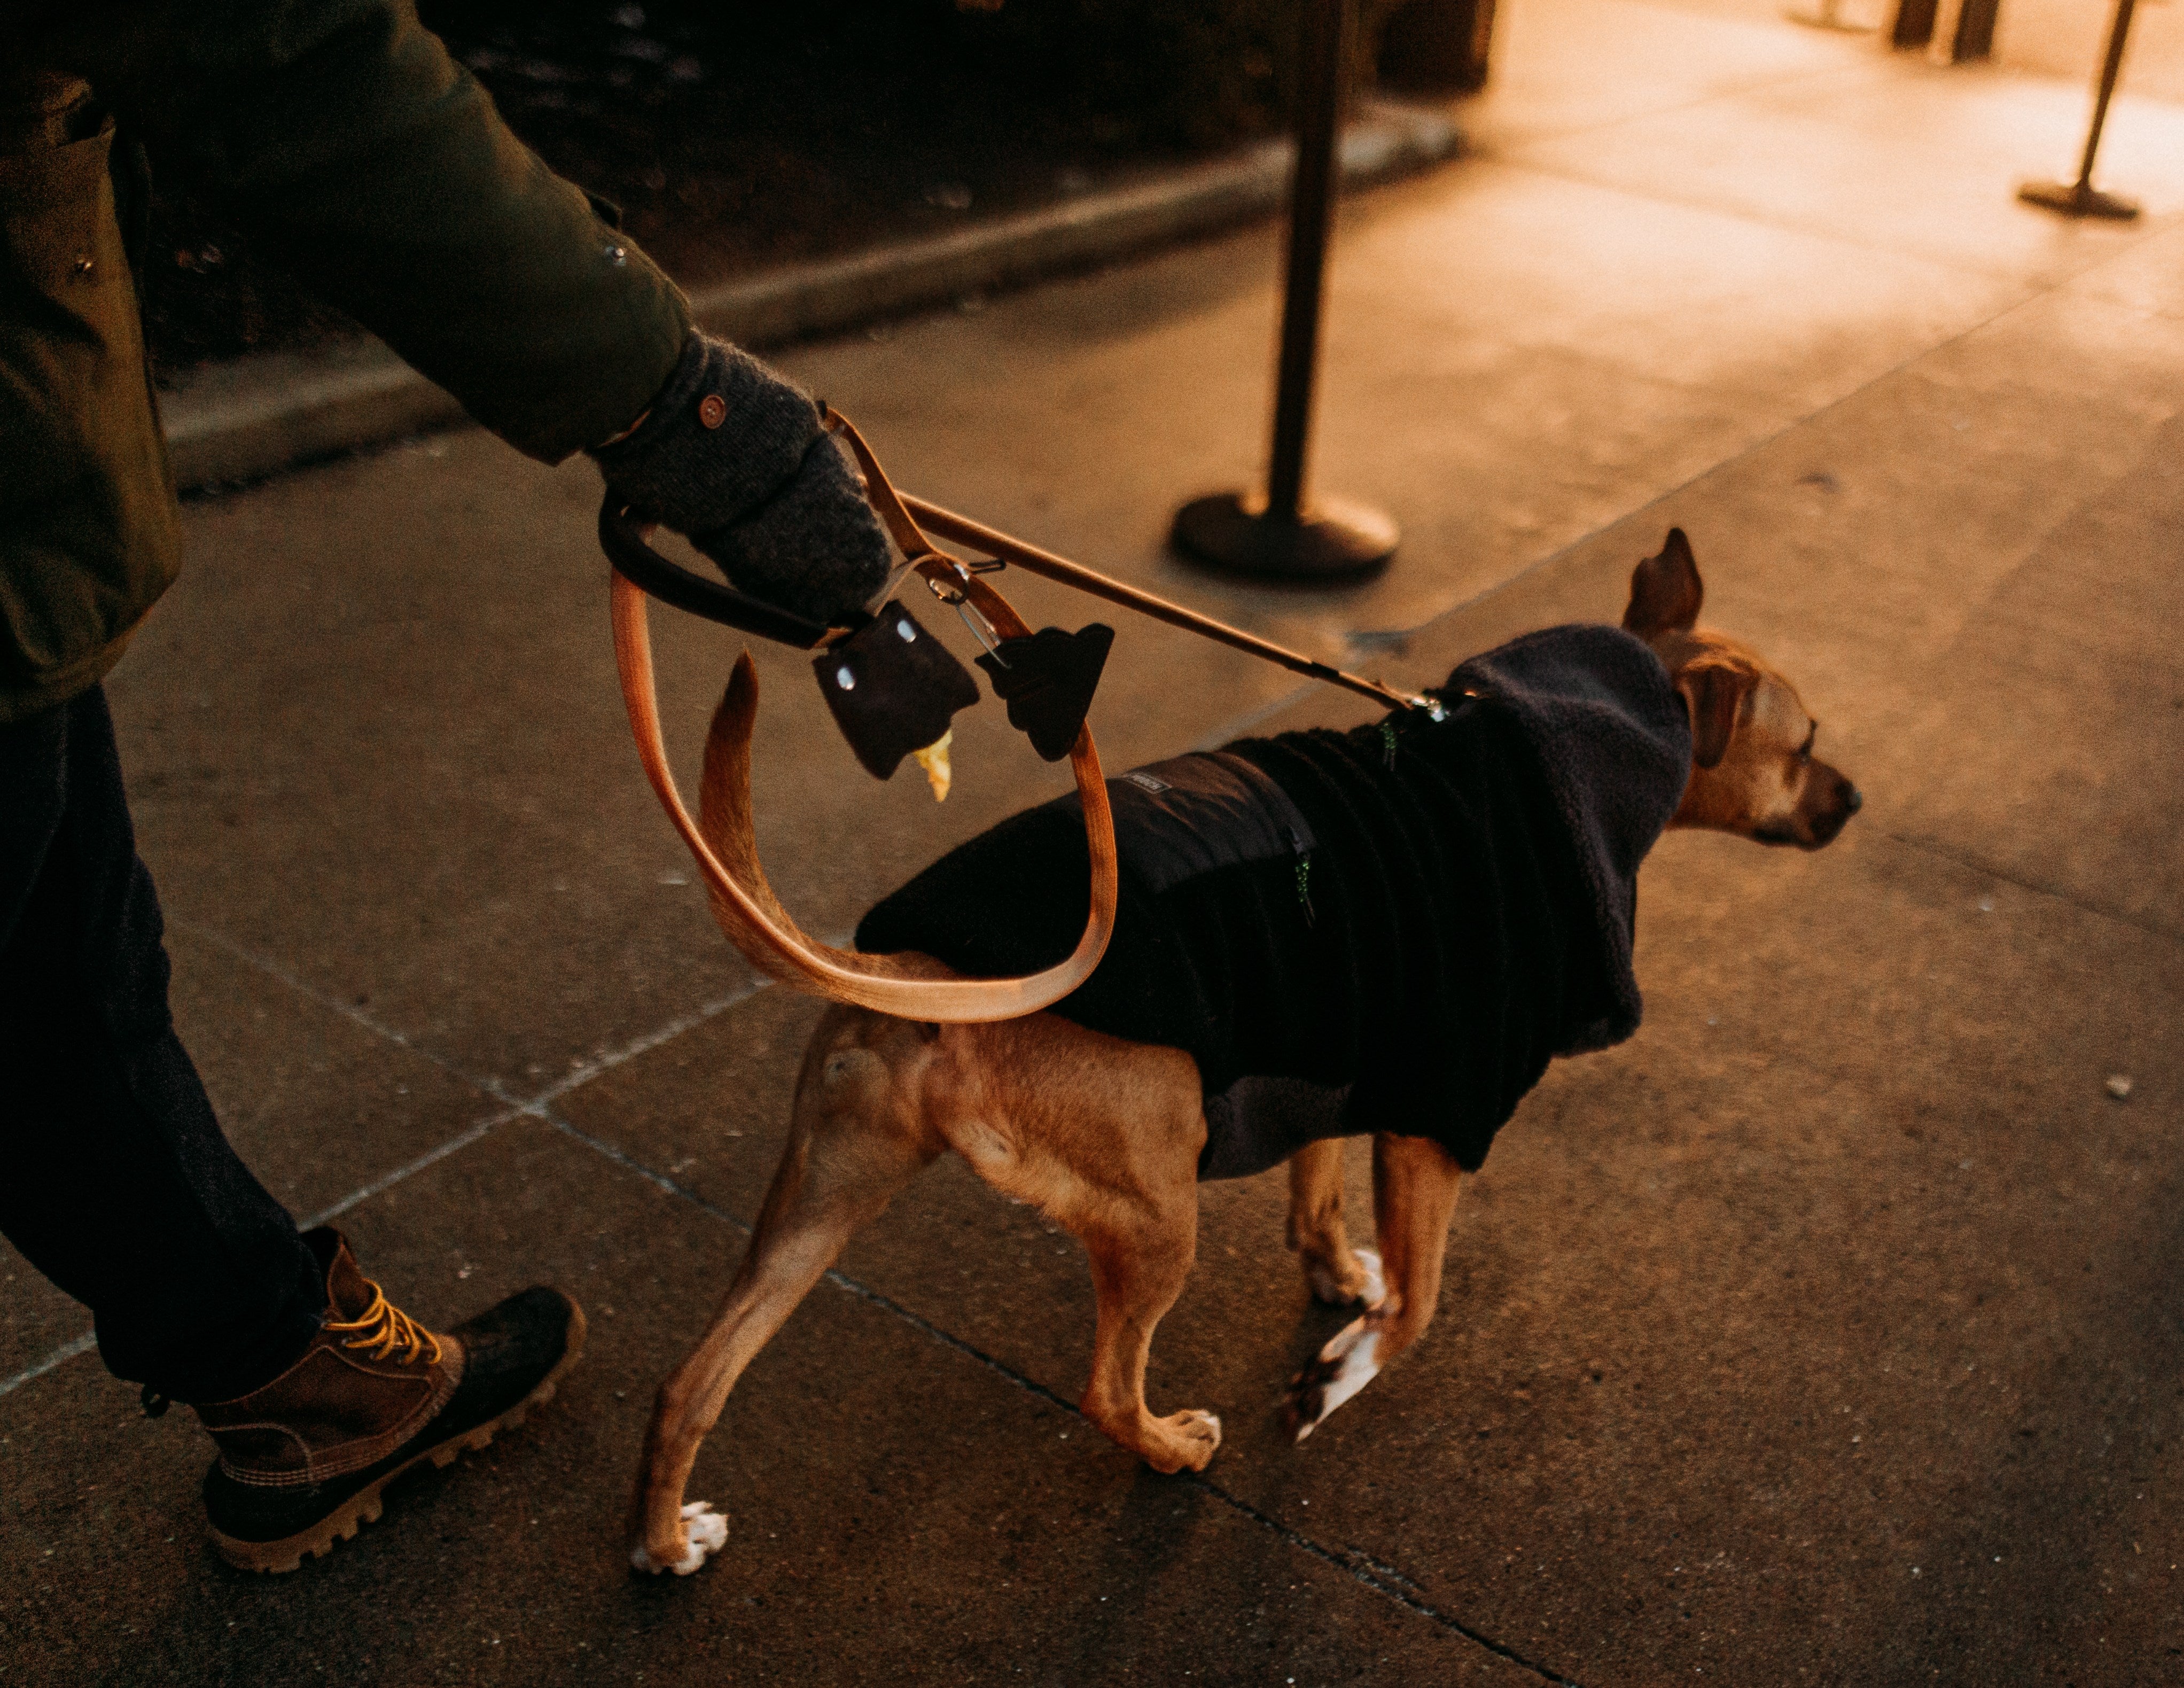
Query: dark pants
[117, 1184]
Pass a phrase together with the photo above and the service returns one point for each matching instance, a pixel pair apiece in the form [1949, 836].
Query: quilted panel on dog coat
[1392, 928]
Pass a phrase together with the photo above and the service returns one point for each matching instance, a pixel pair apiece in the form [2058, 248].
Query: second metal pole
[2081, 198]
[1284, 535]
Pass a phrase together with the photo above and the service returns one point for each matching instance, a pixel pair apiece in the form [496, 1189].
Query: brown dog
[1104, 1135]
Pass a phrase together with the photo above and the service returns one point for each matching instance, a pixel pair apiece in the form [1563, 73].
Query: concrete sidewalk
[1827, 1332]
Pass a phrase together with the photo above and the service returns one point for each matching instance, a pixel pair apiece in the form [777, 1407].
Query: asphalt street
[1830, 1331]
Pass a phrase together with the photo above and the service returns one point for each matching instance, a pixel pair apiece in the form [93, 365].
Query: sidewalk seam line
[1833, 237]
[1486, 594]
[1850, 69]
[513, 1106]
[1942, 851]
[578, 1076]
[60, 1356]
[1508, 154]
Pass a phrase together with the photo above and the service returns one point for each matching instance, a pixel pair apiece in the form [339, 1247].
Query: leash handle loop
[622, 537]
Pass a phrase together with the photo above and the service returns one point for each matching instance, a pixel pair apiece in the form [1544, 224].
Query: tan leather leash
[744, 902]
[1007, 548]
[1033, 560]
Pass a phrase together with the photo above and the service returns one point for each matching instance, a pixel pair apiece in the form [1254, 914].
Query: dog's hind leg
[854, 1141]
[1339, 1275]
[1414, 1189]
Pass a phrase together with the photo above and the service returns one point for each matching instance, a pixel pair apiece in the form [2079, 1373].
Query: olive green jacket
[343, 136]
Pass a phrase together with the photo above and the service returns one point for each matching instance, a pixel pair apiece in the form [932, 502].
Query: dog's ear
[1665, 591]
[1713, 693]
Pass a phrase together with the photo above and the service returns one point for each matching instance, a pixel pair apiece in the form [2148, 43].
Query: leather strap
[915, 988]
[622, 536]
[924, 557]
[1007, 548]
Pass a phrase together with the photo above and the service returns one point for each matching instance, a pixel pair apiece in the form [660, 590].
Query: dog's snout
[1829, 802]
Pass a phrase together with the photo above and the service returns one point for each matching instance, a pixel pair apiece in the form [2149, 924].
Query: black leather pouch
[893, 688]
[1047, 679]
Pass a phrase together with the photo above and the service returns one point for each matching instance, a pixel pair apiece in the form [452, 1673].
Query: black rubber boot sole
[348, 1513]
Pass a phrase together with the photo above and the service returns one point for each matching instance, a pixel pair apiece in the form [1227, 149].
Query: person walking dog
[342, 136]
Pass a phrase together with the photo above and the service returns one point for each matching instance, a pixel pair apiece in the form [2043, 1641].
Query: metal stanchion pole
[2081, 198]
[1284, 534]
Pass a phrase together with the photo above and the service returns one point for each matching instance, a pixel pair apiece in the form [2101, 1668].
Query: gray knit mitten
[733, 456]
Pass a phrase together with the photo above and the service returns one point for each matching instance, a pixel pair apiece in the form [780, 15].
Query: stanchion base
[2077, 199]
[1335, 540]
[1825, 18]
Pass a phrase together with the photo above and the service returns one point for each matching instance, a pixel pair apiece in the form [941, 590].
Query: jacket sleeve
[342, 134]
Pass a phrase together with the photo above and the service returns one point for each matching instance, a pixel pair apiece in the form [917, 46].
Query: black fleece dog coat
[1393, 928]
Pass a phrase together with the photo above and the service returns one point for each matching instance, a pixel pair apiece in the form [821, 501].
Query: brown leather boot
[302, 1460]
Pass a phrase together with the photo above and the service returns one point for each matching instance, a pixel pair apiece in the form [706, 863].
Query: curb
[273, 410]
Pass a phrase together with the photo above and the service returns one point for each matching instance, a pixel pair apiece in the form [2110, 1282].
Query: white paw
[1350, 1361]
[708, 1533]
[1376, 1282]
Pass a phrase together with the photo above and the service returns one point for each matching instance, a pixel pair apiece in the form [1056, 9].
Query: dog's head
[1753, 771]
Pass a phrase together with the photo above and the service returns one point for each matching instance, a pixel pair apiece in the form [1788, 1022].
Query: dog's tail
[724, 807]
[724, 842]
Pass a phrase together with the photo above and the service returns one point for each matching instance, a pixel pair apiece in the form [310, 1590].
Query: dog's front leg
[1103, 1136]
[1339, 1275]
[1414, 1189]
[1140, 1257]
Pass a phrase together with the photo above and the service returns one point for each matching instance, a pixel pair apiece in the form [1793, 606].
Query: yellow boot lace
[385, 1328]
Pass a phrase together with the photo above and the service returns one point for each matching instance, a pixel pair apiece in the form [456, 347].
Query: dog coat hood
[1391, 928]
[1614, 742]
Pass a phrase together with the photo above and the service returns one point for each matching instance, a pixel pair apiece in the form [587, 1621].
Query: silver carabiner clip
[972, 617]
